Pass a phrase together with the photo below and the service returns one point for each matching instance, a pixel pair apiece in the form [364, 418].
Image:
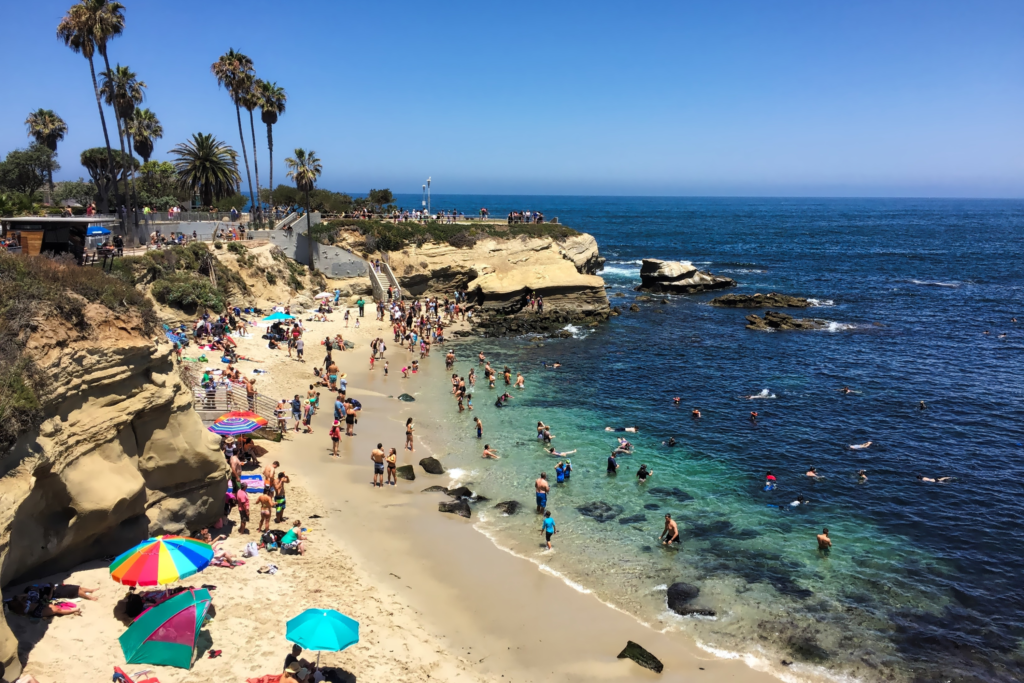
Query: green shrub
[271, 278]
[218, 245]
[188, 291]
[237, 248]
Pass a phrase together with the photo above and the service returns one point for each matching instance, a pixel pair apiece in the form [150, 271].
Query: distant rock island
[678, 277]
[769, 300]
[781, 321]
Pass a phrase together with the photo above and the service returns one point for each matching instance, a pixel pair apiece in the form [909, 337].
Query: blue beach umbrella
[323, 630]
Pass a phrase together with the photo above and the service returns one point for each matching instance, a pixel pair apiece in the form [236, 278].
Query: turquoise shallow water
[924, 581]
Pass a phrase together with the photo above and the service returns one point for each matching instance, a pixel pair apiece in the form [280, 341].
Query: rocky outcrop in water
[120, 455]
[600, 511]
[458, 507]
[509, 507]
[680, 595]
[642, 657]
[780, 321]
[769, 300]
[678, 277]
[432, 466]
[460, 492]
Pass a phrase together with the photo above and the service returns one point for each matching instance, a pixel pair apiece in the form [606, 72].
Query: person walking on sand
[297, 411]
[393, 467]
[377, 456]
[335, 438]
[280, 500]
[242, 500]
[408, 435]
[281, 411]
[824, 542]
[670, 534]
[266, 504]
[548, 528]
[542, 487]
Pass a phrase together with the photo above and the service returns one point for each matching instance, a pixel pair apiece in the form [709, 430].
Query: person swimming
[800, 500]
[553, 452]
[933, 480]
[633, 429]
[753, 416]
[695, 413]
[921, 406]
[677, 400]
[812, 472]
[671, 441]
[858, 446]
[862, 476]
[770, 482]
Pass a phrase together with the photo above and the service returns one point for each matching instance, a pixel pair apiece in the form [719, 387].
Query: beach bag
[251, 550]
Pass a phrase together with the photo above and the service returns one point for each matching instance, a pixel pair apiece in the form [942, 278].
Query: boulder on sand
[678, 277]
[405, 397]
[781, 321]
[641, 657]
[435, 489]
[405, 472]
[460, 492]
[458, 507]
[769, 300]
[509, 507]
[432, 466]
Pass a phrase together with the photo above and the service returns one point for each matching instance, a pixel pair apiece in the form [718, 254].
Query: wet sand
[497, 611]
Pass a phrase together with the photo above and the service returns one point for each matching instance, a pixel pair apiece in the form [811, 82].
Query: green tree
[79, 191]
[105, 176]
[234, 72]
[304, 168]
[330, 202]
[85, 29]
[158, 185]
[144, 129]
[46, 128]
[285, 195]
[207, 167]
[272, 105]
[380, 198]
[27, 170]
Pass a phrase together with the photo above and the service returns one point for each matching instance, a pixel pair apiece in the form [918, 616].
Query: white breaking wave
[838, 327]
[576, 332]
[936, 284]
[820, 303]
[765, 393]
[624, 271]
[457, 474]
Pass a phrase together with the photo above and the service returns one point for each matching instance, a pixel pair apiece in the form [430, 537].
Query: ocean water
[925, 581]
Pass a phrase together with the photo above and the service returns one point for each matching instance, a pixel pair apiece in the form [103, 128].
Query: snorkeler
[695, 414]
[622, 429]
[858, 446]
[553, 452]
[862, 476]
[932, 480]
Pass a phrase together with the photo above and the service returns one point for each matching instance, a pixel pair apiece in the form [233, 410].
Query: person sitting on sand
[294, 538]
[859, 446]
[220, 553]
[933, 480]
[489, 453]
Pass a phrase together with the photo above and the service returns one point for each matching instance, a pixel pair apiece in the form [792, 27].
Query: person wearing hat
[335, 438]
[295, 673]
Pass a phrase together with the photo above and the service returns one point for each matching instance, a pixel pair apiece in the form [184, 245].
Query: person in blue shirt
[297, 411]
[548, 528]
[559, 474]
[567, 470]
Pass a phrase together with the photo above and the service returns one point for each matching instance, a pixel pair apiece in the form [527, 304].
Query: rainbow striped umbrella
[245, 414]
[233, 426]
[160, 560]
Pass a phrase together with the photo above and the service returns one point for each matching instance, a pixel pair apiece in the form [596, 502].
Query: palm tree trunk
[106, 139]
[270, 146]
[245, 157]
[256, 167]
[49, 188]
[309, 235]
[127, 196]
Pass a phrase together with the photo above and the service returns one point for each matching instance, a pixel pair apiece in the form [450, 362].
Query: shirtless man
[824, 542]
[695, 413]
[542, 487]
[488, 453]
[812, 472]
[270, 473]
[520, 382]
[266, 505]
[377, 456]
[332, 376]
[236, 468]
[280, 501]
[670, 534]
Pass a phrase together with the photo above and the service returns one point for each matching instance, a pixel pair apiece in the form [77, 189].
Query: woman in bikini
[392, 461]
[408, 435]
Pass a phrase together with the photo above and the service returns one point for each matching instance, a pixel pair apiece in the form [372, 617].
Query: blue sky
[680, 98]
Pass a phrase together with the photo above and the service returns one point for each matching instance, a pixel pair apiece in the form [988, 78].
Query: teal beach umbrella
[323, 630]
[278, 316]
[166, 634]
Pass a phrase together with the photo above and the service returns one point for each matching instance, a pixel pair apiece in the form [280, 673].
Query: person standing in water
[542, 487]
[613, 465]
[670, 534]
[548, 528]
[479, 428]
[824, 542]
[408, 435]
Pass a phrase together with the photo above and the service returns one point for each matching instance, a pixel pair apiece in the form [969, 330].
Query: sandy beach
[436, 599]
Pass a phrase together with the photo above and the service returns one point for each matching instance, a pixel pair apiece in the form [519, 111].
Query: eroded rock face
[781, 321]
[678, 277]
[769, 300]
[120, 457]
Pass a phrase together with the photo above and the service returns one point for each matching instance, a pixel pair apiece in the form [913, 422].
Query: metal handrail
[287, 221]
[392, 280]
[379, 293]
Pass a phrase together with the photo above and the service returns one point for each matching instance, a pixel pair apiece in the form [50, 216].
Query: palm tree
[304, 169]
[80, 29]
[207, 167]
[47, 129]
[250, 100]
[234, 72]
[272, 102]
[144, 129]
[122, 90]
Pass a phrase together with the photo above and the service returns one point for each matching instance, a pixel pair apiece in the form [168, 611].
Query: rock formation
[769, 300]
[119, 456]
[680, 595]
[600, 510]
[405, 472]
[641, 656]
[678, 277]
[781, 321]
[432, 466]
[458, 507]
[509, 507]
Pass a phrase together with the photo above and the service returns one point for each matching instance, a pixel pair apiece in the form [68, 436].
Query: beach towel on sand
[269, 678]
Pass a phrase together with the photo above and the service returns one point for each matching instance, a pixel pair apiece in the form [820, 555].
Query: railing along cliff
[379, 291]
[224, 397]
[287, 221]
[392, 280]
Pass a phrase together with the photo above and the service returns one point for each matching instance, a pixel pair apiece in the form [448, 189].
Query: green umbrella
[324, 630]
[166, 634]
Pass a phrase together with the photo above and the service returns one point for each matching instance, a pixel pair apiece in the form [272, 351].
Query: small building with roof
[34, 235]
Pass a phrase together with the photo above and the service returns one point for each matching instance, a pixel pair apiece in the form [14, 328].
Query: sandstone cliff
[120, 454]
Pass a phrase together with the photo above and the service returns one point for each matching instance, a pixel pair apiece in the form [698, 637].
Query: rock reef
[119, 456]
[678, 277]
[780, 321]
[769, 300]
